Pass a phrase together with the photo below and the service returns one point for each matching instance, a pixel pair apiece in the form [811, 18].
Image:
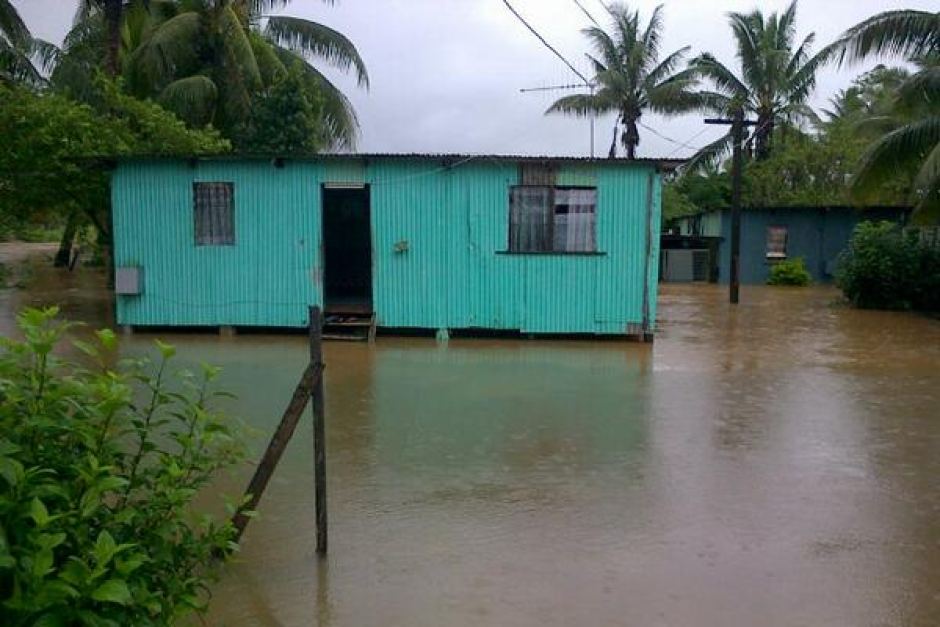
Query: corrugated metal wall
[266, 278]
[452, 275]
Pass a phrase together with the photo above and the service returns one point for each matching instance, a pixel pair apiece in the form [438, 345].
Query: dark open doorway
[347, 250]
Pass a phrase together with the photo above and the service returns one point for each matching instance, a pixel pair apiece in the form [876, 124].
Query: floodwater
[773, 464]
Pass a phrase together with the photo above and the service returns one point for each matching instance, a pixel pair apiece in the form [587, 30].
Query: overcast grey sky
[446, 73]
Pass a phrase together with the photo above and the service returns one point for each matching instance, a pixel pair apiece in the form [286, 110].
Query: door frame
[327, 186]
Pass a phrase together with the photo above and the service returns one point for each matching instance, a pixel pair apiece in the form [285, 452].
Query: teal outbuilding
[441, 242]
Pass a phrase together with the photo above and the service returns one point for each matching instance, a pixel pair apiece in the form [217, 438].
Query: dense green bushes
[98, 469]
[884, 268]
[48, 176]
[789, 272]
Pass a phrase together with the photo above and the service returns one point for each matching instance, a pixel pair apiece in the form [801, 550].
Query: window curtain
[529, 219]
[214, 214]
[777, 241]
[575, 220]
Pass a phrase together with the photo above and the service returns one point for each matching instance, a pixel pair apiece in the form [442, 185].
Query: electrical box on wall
[129, 280]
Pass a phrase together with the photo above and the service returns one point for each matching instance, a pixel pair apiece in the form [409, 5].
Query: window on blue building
[214, 213]
[552, 219]
[776, 242]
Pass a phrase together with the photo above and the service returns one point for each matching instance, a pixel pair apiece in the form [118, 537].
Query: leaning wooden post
[319, 430]
[276, 446]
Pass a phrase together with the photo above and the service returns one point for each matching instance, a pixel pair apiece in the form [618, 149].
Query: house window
[214, 213]
[552, 219]
[776, 242]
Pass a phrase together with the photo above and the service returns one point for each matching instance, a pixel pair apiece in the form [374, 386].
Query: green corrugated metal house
[441, 242]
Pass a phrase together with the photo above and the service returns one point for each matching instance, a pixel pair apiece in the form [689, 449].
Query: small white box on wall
[129, 280]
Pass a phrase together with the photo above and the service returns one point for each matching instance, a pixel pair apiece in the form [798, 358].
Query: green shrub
[98, 470]
[789, 272]
[884, 268]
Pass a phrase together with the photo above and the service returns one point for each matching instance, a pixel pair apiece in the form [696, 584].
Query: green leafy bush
[98, 470]
[789, 272]
[884, 268]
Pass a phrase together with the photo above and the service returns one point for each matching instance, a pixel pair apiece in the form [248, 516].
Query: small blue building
[772, 234]
[442, 242]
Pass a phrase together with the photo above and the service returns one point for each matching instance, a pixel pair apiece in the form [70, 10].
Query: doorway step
[353, 326]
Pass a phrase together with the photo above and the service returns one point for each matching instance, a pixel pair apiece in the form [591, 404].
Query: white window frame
[548, 241]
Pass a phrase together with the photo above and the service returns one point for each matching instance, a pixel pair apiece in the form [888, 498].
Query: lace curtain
[574, 220]
[214, 213]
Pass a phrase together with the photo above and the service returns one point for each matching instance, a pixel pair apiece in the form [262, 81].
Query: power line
[545, 43]
[688, 142]
[680, 144]
[756, 131]
[587, 83]
[585, 11]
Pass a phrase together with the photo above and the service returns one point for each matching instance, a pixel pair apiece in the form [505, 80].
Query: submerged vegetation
[99, 466]
[790, 272]
[885, 267]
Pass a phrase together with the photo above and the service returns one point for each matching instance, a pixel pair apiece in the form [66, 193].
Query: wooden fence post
[276, 446]
[309, 389]
[319, 430]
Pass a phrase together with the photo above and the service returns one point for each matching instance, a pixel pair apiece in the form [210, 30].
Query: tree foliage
[48, 166]
[815, 168]
[630, 78]
[775, 80]
[911, 142]
[814, 171]
[99, 466]
[285, 119]
[22, 56]
[885, 268]
[207, 60]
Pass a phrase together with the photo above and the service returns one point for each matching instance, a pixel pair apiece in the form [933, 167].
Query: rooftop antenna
[587, 84]
[585, 81]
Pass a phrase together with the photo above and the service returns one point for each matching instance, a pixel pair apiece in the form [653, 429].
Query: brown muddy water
[777, 464]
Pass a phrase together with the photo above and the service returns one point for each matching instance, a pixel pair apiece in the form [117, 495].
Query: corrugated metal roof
[446, 158]
[823, 207]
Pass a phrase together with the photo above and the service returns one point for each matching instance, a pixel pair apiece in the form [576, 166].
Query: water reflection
[776, 464]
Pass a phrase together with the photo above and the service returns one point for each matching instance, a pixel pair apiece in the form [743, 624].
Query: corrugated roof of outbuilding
[667, 164]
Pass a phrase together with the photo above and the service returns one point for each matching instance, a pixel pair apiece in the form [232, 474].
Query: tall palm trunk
[631, 136]
[763, 136]
[112, 16]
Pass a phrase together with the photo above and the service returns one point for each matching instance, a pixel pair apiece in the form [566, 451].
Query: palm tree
[629, 78]
[93, 44]
[774, 83]
[18, 49]
[204, 59]
[913, 144]
[110, 15]
[871, 95]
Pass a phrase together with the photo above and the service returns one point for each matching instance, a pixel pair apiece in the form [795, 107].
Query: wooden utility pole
[319, 429]
[738, 123]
